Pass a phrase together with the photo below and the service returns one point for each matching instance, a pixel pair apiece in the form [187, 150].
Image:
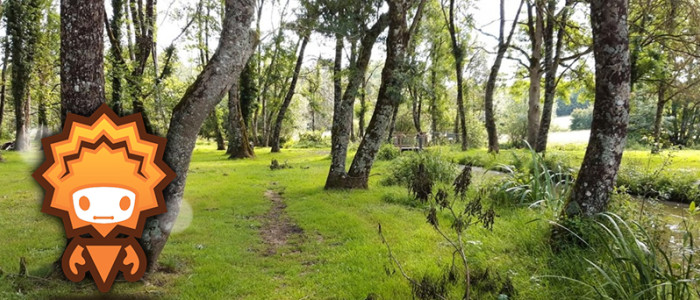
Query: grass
[221, 255]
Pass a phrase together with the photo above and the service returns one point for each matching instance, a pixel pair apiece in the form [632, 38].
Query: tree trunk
[598, 173]
[23, 22]
[417, 110]
[118, 64]
[389, 94]
[3, 80]
[82, 63]
[218, 136]
[434, 113]
[343, 107]
[458, 54]
[363, 109]
[235, 46]
[238, 143]
[660, 104]
[392, 125]
[503, 45]
[289, 96]
[42, 120]
[551, 60]
[535, 31]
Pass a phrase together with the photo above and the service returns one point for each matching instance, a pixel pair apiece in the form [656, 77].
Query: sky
[485, 12]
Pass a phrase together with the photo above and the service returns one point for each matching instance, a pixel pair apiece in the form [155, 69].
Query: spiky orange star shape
[103, 175]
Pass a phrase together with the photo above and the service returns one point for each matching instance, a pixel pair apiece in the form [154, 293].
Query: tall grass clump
[631, 265]
[532, 182]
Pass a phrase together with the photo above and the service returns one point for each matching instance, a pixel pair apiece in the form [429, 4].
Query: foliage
[534, 183]
[310, 139]
[404, 169]
[515, 123]
[631, 265]
[581, 118]
[388, 152]
[565, 108]
[660, 182]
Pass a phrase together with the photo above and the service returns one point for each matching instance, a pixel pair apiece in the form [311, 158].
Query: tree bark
[188, 115]
[389, 94]
[503, 44]
[82, 63]
[118, 64]
[535, 31]
[23, 18]
[238, 143]
[218, 136]
[363, 109]
[3, 80]
[458, 53]
[392, 125]
[658, 119]
[598, 173]
[289, 96]
[343, 108]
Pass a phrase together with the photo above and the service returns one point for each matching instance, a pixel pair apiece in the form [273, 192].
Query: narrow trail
[278, 230]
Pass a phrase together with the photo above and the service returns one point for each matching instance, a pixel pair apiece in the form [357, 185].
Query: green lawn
[220, 253]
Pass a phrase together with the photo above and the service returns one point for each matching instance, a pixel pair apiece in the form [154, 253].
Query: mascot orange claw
[104, 175]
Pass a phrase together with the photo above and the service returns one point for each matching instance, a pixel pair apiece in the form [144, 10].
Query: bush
[388, 152]
[581, 118]
[312, 139]
[515, 123]
[681, 186]
[404, 169]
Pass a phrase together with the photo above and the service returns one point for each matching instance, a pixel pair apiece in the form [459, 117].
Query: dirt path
[278, 229]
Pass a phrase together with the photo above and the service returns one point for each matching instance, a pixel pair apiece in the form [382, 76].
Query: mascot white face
[104, 205]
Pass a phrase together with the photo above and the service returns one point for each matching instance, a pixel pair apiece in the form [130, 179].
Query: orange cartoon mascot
[104, 175]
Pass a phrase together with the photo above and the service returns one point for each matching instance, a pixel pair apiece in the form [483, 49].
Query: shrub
[581, 118]
[659, 183]
[404, 169]
[388, 152]
[312, 139]
[681, 186]
[515, 123]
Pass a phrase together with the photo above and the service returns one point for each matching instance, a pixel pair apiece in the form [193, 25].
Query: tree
[47, 69]
[343, 103]
[552, 59]
[117, 74]
[305, 34]
[3, 79]
[503, 44]
[535, 31]
[217, 77]
[389, 95]
[239, 146]
[458, 54]
[598, 173]
[240, 96]
[23, 26]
